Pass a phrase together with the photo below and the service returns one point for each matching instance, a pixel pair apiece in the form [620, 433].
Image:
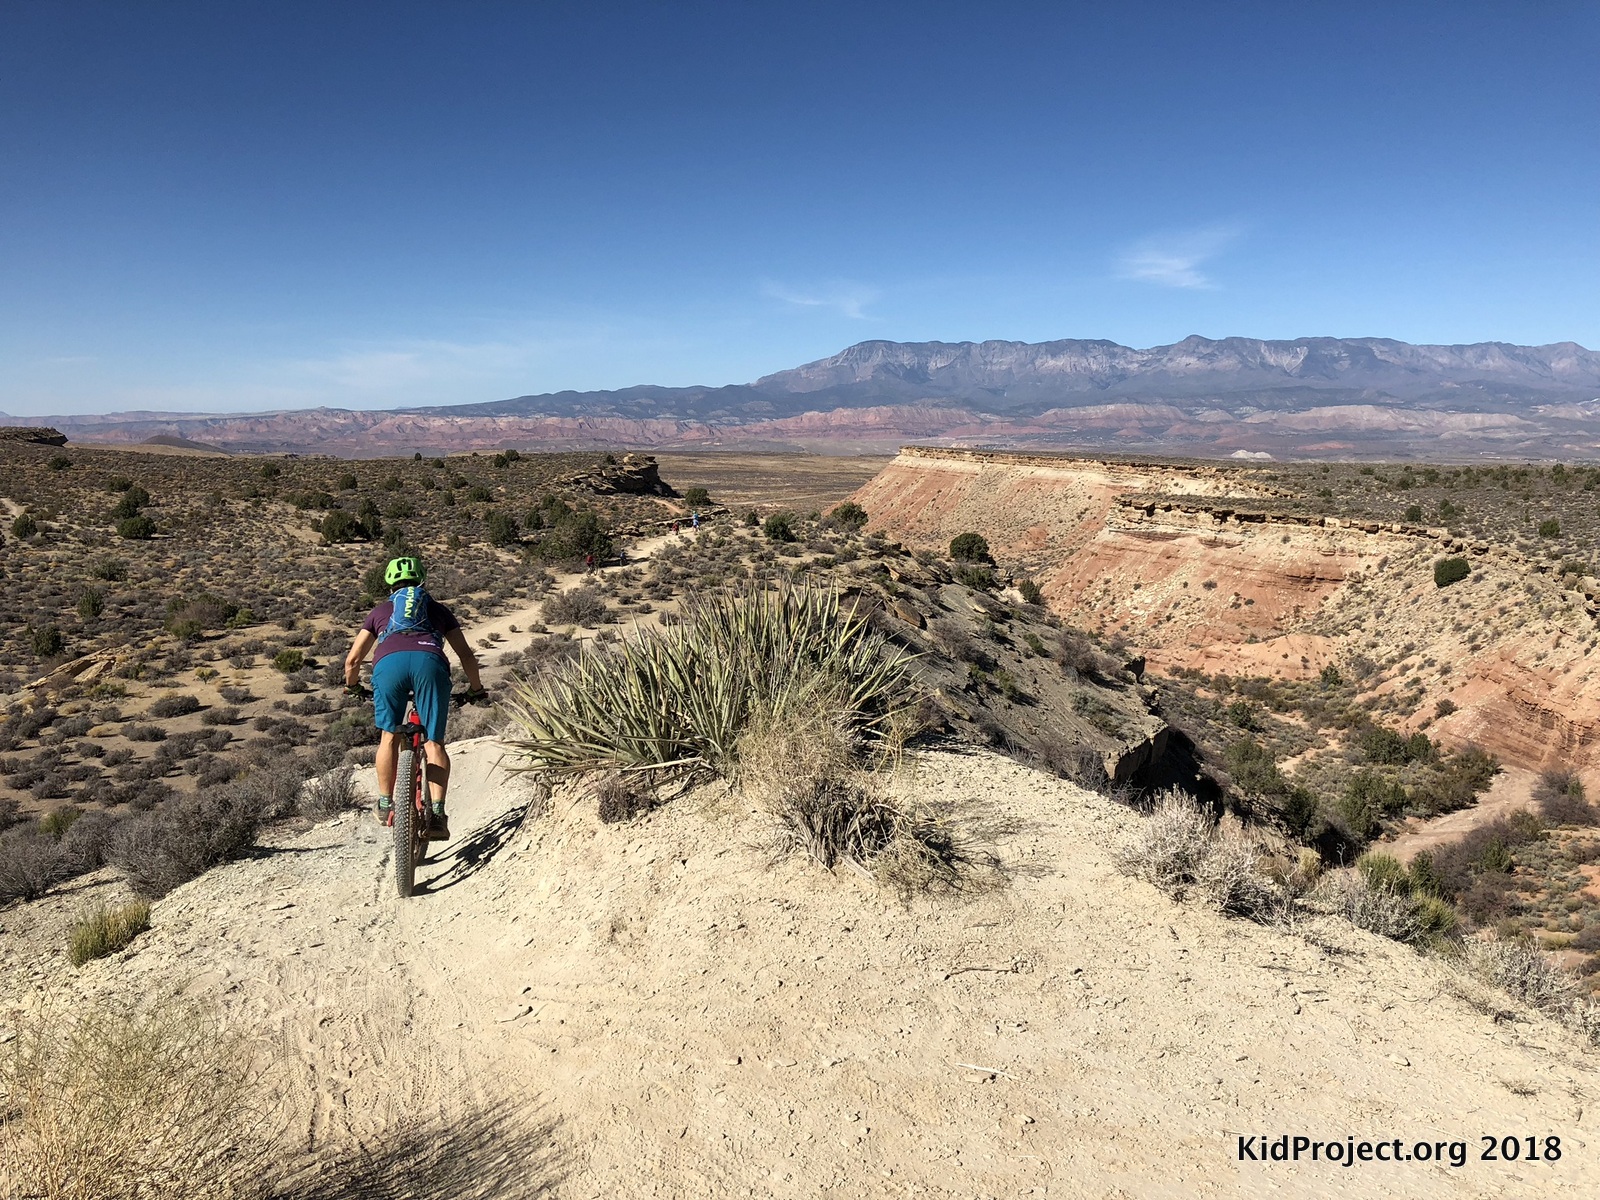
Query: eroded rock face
[1213, 578]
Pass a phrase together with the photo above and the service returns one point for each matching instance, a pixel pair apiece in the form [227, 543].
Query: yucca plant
[682, 696]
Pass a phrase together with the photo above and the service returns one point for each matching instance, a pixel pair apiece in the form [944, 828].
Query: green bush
[1383, 870]
[59, 462]
[779, 527]
[572, 536]
[501, 527]
[1031, 592]
[1450, 570]
[849, 516]
[1414, 512]
[289, 660]
[697, 497]
[970, 547]
[339, 526]
[91, 603]
[136, 529]
[270, 470]
[112, 570]
[45, 641]
[976, 575]
[106, 930]
[118, 483]
[684, 696]
[1550, 528]
[24, 526]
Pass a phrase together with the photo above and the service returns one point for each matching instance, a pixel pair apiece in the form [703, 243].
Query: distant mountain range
[1315, 397]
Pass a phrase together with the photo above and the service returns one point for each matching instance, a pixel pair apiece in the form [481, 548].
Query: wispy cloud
[846, 298]
[1175, 259]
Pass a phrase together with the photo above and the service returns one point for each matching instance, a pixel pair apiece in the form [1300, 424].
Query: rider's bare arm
[456, 639]
[359, 650]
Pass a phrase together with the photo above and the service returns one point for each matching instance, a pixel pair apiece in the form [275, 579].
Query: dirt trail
[697, 1019]
[498, 631]
[1512, 789]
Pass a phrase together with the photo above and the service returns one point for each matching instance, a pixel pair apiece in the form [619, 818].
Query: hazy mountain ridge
[1317, 396]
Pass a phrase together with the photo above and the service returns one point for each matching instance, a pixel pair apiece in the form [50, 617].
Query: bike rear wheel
[407, 832]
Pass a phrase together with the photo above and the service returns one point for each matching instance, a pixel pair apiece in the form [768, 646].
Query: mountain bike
[409, 818]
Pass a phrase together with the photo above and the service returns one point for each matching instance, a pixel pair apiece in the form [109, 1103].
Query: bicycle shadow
[503, 1151]
[466, 858]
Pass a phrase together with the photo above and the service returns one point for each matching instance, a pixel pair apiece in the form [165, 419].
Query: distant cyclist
[410, 631]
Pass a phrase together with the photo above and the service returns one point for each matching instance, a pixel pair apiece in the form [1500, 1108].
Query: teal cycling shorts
[414, 675]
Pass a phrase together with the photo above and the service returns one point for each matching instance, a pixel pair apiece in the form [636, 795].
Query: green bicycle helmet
[402, 571]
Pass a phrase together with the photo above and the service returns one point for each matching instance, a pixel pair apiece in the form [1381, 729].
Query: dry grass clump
[329, 795]
[804, 767]
[682, 697]
[122, 1106]
[1526, 973]
[1180, 849]
[106, 929]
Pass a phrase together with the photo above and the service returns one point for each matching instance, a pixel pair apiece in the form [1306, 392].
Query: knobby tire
[406, 831]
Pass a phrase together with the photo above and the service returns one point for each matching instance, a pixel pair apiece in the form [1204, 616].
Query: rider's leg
[438, 771]
[388, 761]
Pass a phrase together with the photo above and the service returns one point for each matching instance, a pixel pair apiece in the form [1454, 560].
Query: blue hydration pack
[410, 612]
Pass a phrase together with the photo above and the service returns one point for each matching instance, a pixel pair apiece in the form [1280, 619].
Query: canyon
[1201, 566]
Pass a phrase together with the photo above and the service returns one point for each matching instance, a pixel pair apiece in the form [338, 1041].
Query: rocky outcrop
[35, 435]
[634, 475]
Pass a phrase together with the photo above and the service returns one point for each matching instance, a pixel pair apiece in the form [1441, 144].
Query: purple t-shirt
[441, 618]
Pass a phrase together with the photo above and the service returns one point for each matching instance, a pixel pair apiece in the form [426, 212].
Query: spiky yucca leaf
[683, 695]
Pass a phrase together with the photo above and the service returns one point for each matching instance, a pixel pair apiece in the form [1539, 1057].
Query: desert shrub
[187, 837]
[1381, 909]
[576, 606]
[978, 576]
[24, 526]
[1383, 871]
[91, 603]
[501, 527]
[328, 795]
[112, 570]
[1458, 781]
[1179, 849]
[849, 516]
[118, 1106]
[970, 548]
[106, 930]
[1550, 528]
[136, 529]
[56, 822]
[1030, 592]
[1080, 657]
[1527, 974]
[175, 706]
[225, 715]
[235, 695]
[144, 733]
[779, 527]
[1450, 570]
[339, 526]
[697, 497]
[45, 641]
[31, 863]
[289, 660]
[1457, 867]
[1561, 800]
[571, 536]
[684, 695]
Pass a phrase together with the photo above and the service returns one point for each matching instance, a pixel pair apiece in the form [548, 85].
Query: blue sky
[224, 206]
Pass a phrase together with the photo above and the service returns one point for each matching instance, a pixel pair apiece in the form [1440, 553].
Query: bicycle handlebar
[457, 699]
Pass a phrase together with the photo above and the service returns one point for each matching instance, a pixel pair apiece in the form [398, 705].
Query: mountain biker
[409, 664]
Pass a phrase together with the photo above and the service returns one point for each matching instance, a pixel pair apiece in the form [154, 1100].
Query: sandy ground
[673, 1012]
